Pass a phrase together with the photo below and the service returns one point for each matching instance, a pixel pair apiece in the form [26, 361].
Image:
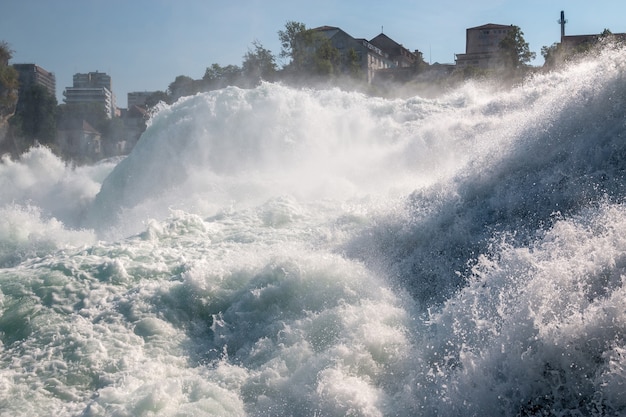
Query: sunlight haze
[144, 45]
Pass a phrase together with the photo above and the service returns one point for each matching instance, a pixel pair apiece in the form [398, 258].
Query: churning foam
[290, 252]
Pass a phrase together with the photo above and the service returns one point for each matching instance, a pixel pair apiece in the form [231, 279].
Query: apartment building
[32, 74]
[92, 87]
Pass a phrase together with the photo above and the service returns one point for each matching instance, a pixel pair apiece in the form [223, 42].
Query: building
[582, 42]
[92, 79]
[370, 57]
[92, 87]
[77, 95]
[31, 74]
[482, 44]
[401, 56]
[406, 64]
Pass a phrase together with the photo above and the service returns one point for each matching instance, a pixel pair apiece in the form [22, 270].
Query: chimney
[562, 22]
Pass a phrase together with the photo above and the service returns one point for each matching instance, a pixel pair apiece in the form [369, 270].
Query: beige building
[482, 45]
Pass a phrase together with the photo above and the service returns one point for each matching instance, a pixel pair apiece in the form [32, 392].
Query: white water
[321, 253]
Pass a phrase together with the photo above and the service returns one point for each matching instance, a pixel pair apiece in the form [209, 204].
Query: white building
[92, 87]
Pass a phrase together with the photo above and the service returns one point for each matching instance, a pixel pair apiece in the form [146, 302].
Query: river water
[292, 252]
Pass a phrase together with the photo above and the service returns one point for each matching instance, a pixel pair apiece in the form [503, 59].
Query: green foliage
[6, 53]
[35, 116]
[311, 52]
[514, 50]
[157, 97]
[609, 39]
[182, 86]
[112, 130]
[8, 82]
[326, 59]
[8, 89]
[606, 33]
[259, 64]
[289, 39]
[552, 55]
[216, 76]
[352, 63]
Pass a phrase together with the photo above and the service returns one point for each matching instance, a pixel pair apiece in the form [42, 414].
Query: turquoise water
[292, 252]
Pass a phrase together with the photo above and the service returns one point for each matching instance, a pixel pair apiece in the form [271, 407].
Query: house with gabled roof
[400, 55]
[371, 58]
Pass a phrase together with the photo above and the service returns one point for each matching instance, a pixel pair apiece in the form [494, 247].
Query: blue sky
[144, 44]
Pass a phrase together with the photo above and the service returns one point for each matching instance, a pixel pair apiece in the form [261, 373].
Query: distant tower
[562, 22]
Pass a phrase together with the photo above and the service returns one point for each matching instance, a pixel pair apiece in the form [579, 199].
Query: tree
[606, 33]
[352, 63]
[552, 55]
[311, 52]
[182, 86]
[112, 131]
[326, 58]
[289, 39]
[608, 38]
[259, 64]
[514, 50]
[35, 116]
[155, 98]
[8, 82]
[558, 53]
[6, 53]
[216, 76]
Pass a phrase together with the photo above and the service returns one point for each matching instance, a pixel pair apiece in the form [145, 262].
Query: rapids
[295, 252]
